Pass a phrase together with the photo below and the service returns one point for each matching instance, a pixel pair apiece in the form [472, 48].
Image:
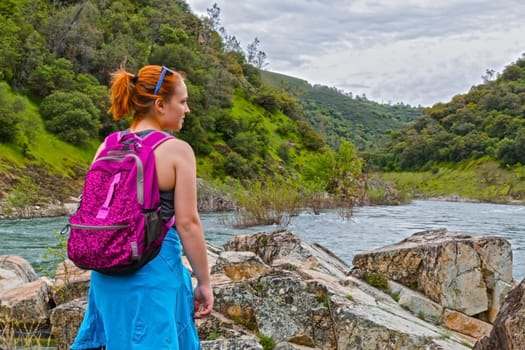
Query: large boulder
[285, 245]
[308, 301]
[458, 271]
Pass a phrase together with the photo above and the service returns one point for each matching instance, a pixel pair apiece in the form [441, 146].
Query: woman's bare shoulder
[177, 148]
[176, 143]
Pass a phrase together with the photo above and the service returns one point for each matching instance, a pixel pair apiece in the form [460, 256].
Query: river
[370, 227]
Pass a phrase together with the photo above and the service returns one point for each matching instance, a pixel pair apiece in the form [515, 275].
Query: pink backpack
[118, 227]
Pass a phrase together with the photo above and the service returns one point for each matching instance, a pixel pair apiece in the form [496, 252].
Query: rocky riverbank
[209, 200]
[434, 290]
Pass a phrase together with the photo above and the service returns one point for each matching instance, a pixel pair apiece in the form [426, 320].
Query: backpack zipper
[91, 227]
[67, 228]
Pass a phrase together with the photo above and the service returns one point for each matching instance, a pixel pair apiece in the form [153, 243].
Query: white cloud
[412, 51]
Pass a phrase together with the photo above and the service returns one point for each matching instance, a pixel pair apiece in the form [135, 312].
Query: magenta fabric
[118, 226]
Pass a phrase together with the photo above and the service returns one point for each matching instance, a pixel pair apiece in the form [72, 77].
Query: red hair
[133, 95]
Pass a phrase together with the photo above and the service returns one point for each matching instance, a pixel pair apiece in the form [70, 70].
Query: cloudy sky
[410, 51]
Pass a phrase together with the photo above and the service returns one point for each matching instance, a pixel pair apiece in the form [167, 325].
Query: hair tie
[134, 79]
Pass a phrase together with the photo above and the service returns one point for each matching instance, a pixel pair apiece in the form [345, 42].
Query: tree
[56, 74]
[210, 25]
[10, 54]
[489, 75]
[260, 60]
[255, 56]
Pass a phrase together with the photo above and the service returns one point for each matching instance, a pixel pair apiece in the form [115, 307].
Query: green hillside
[36, 166]
[472, 146]
[55, 63]
[338, 115]
[487, 121]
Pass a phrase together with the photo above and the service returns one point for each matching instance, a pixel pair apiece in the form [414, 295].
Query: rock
[500, 290]
[309, 308]
[292, 310]
[284, 245]
[27, 304]
[292, 346]
[217, 326]
[508, 329]
[278, 288]
[15, 271]
[464, 324]
[65, 320]
[211, 199]
[417, 303]
[241, 343]
[457, 271]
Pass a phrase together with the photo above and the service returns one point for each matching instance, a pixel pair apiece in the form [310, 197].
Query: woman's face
[176, 109]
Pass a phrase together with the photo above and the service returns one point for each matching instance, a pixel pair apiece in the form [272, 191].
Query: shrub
[70, 115]
[268, 202]
[377, 280]
[9, 114]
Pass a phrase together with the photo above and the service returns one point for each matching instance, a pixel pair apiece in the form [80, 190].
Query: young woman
[154, 307]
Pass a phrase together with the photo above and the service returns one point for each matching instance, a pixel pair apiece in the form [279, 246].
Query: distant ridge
[339, 115]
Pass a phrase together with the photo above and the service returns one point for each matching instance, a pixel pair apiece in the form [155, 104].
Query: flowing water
[370, 227]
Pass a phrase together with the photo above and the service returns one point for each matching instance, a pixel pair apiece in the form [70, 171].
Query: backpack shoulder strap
[113, 138]
[155, 138]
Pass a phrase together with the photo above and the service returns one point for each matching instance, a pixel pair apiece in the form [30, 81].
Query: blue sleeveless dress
[150, 309]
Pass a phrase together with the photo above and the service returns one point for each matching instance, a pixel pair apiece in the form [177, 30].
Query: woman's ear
[159, 105]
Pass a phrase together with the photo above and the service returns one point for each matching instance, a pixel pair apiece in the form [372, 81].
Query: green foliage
[266, 342]
[481, 179]
[322, 298]
[236, 166]
[339, 174]
[17, 121]
[212, 335]
[312, 140]
[245, 123]
[70, 115]
[9, 114]
[486, 121]
[47, 77]
[15, 334]
[57, 254]
[337, 115]
[395, 296]
[267, 99]
[62, 55]
[23, 194]
[272, 201]
[445, 334]
[377, 280]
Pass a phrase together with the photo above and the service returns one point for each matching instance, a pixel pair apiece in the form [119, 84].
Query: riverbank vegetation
[273, 143]
[480, 180]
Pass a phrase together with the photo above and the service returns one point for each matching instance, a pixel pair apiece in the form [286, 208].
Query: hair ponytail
[134, 95]
[121, 90]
